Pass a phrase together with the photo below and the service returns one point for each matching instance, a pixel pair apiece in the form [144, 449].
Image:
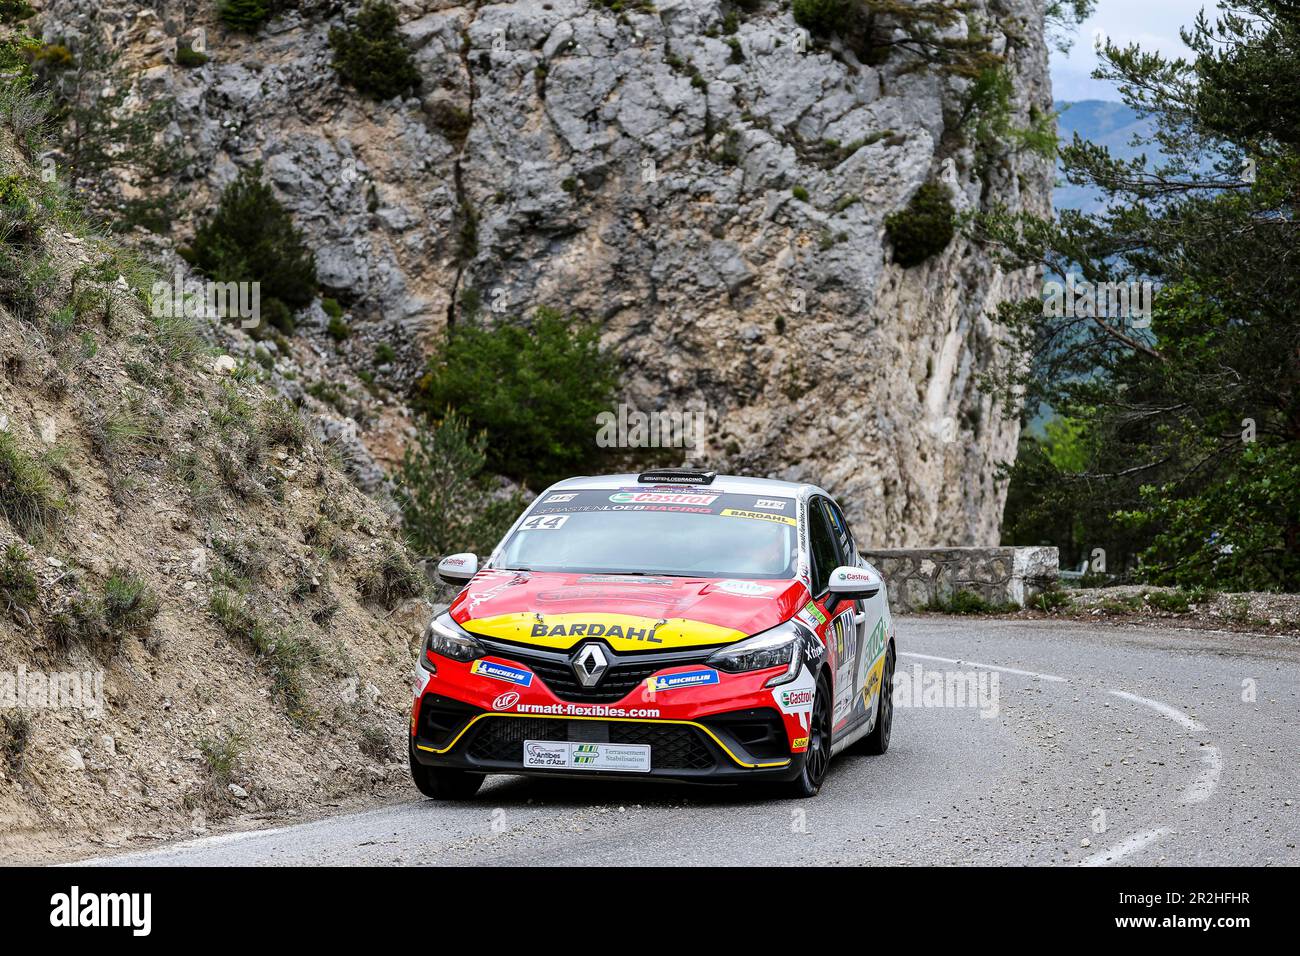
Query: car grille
[673, 746]
[623, 675]
[617, 682]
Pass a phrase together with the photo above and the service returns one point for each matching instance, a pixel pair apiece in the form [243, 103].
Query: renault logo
[589, 664]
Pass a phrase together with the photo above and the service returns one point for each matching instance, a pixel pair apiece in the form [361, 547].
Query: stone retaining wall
[916, 576]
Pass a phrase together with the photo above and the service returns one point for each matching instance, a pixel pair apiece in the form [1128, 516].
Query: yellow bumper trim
[634, 720]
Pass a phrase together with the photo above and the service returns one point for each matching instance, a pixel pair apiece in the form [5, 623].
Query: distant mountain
[1112, 125]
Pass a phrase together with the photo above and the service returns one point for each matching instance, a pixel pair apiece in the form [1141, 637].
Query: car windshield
[712, 541]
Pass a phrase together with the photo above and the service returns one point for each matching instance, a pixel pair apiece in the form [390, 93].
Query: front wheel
[818, 758]
[442, 783]
[877, 742]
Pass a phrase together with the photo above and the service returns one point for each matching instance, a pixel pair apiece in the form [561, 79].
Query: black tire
[441, 783]
[877, 742]
[818, 758]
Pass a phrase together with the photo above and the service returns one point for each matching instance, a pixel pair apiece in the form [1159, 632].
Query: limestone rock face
[717, 201]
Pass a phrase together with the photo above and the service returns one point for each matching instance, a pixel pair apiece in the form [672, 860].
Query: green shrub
[251, 238]
[1174, 602]
[286, 654]
[1050, 600]
[446, 499]
[283, 425]
[453, 121]
[535, 388]
[338, 330]
[245, 15]
[799, 193]
[129, 604]
[1237, 534]
[81, 620]
[822, 17]
[17, 733]
[27, 495]
[188, 57]
[987, 117]
[20, 215]
[13, 11]
[222, 752]
[394, 578]
[331, 307]
[18, 589]
[924, 228]
[371, 55]
[1127, 605]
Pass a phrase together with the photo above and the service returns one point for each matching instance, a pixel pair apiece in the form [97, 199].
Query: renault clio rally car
[671, 624]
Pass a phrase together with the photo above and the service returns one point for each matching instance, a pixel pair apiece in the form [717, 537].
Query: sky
[1153, 24]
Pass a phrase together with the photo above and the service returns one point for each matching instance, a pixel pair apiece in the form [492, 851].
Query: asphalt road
[1101, 745]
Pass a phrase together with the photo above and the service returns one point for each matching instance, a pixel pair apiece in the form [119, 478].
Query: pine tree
[251, 238]
[371, 55]
[245, 15]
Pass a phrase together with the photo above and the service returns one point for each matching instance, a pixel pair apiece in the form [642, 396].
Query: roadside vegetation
[1175, 456]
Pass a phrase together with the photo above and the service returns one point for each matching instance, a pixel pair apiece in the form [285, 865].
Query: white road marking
[1201, 790]
[1138, 841]
[987, 667]
[1205, 784]
[1198, 792]
[1173, 713]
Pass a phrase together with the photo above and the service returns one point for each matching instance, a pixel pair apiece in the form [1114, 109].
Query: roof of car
[727, 484]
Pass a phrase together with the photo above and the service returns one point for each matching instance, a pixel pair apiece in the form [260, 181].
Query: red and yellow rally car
[671, 624]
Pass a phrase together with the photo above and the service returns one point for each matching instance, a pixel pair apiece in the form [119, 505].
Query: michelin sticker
[504, 672]
[683, 679]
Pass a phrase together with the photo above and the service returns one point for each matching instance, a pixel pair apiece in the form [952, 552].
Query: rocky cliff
[684, 173]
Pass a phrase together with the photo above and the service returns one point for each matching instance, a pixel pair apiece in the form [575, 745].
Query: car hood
[628, 612]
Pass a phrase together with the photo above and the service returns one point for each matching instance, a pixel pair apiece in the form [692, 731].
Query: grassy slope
[170, 526]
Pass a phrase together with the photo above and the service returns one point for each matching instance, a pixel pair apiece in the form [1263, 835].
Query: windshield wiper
[651, 574]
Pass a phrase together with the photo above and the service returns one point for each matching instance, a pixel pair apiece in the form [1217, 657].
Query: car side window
[843, 535]
[821, 541]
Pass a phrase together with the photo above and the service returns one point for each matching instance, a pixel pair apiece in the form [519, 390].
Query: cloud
[1152, 24]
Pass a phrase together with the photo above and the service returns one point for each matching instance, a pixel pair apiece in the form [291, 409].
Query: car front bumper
[699, 751]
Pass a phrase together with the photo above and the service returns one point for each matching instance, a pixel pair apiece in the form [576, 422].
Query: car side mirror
[852, 584]
[457, 569]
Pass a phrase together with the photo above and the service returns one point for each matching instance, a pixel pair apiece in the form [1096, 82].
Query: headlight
[782, 645]
[448, 639]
